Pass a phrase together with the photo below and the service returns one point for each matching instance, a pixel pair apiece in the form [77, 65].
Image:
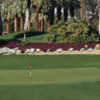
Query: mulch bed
[51, 46]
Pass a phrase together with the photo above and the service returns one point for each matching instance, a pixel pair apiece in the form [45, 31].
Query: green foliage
[24, 42]
[73, 31]
[50, 37]
[30, 37]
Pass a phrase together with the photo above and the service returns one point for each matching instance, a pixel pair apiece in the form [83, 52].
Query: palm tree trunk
[59, 13]
[82, 9]
[37, 18]
[42, 25]
[15, 24]
[99, 14]
[26, 19]
[21, 23]
[49, 24]
[65, 13]
[7, 26]
[71, 11]
[69, 14]
[1, 28]
[29, 26]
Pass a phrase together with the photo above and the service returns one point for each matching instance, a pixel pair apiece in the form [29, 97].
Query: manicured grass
[81, 91]
[30, 36]
[49, 62]
[49, 76]
[69, 84]
[66, 77]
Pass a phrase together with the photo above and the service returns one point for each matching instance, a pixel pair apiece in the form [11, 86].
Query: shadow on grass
[3, 42]
[28, 34]
[20, 35]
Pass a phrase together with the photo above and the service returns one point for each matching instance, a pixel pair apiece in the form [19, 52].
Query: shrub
[72, 31]
[50, 37]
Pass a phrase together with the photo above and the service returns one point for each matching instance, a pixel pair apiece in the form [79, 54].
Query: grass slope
[31, 36]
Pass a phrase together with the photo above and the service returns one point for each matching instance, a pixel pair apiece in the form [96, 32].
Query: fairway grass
[67, 77]
[52, 76]
[55, 84]
[49, 61]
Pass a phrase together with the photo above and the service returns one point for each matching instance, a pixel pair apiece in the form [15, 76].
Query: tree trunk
[26, 19]
[15, 24]
[29, 26]
[21, 23]
[71, 11]
[42, 25]
[49, 24]
[37, 18]
[52, 16]
[82, 9]
[69, 14]
[7, 27]
[59, 13]
[99, 14]
[1, 28]
[65, 14]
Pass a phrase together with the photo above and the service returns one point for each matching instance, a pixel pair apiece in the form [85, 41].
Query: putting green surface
[66, 79]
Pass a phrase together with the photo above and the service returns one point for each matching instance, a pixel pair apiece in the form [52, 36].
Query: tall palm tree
[14, 15]
[69, 7]
[6, 14]
[21, 5]
[1, 30]
[27, 15]
[82, 9]
[99, 14]
[37, 4]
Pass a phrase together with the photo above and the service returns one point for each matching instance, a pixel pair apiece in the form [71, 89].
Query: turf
[67, 77]
[52, 76]
[81, 91]
[69, 84]
[31, 36]
[50, 62]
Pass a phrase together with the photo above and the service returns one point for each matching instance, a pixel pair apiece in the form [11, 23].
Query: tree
[99, 14]
[68, 7]
[21, 5]
[27, 15]
[14, 9]
[6, 14]
[0, 22]
[37, 4]
[82, 9]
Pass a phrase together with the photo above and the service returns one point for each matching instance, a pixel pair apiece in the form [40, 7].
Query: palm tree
[82, 9]
[21, 5]
[37, 4]
[68, 7]
[14, 8]
[1, 22]
[6, 14]
[99, 14]
[27, 16]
